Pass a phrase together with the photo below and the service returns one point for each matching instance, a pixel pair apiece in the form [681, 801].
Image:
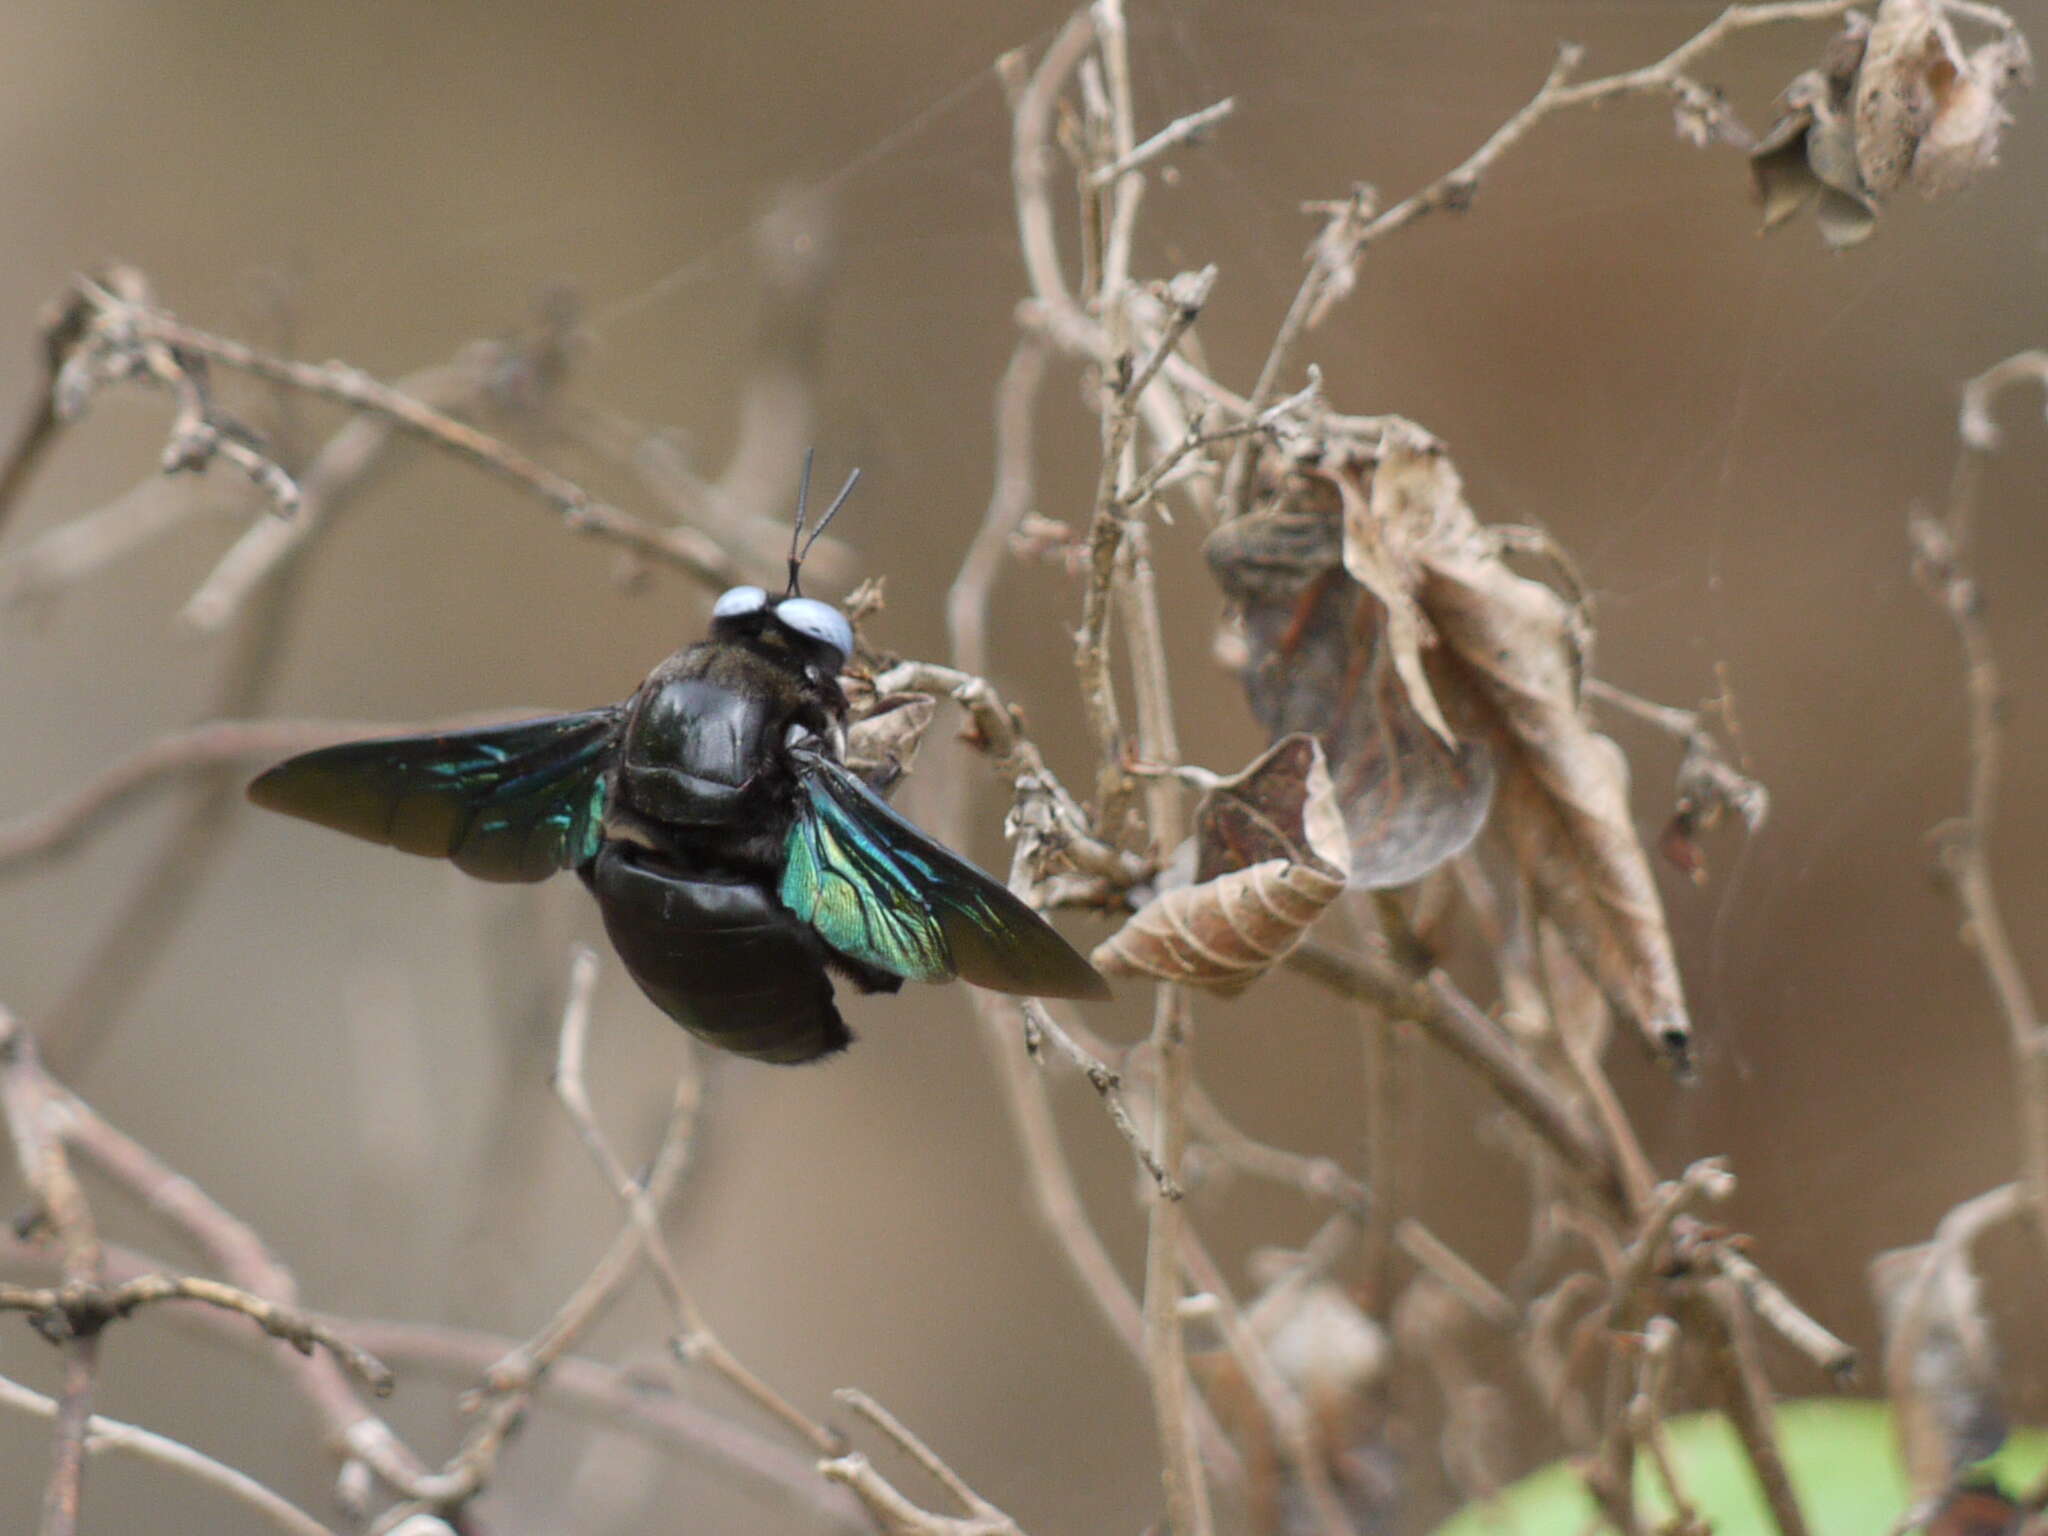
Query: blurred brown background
[1727, 430]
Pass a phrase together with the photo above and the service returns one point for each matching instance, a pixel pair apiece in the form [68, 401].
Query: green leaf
[1840, 1453]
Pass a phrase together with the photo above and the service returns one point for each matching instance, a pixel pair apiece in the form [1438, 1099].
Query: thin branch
[535, 1358]
[1786, 1318]
[1456, 1274]
[1010, 498]
[241, 1256]
[1182, 130]
[696, 1341]
[1722, 1322]
[892, 1512]
[36, 1124]
[61, 826]
[64, 556]
[127, 335]
[102, 1434]
[633, 1401]
[1454, 1022]
[1042, 801]
[1286, 1415]
[1320, 1178]
[1039, 1026]
[74, 1310]
[1055, 1195]
[1942, 562]
[484, 374]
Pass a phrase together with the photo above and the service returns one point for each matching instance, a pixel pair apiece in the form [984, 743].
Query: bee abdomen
[723, 958]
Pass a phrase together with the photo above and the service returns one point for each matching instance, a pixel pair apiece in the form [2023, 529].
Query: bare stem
[1942, 561]
[696, 1342]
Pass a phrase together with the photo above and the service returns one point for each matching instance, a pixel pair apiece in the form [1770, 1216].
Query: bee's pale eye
[738, 601]
[817, 621]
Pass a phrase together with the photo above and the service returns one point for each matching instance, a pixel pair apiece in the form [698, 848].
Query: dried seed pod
[1270, 858]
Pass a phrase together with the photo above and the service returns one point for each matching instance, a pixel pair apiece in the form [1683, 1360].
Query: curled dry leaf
[1270, 858]
[1511, 647]
[1318, 658]
[1911, 46]
[1809, 157]
[1969, 118]
[1897, 101]
[1940, 1364]
[1927, 111]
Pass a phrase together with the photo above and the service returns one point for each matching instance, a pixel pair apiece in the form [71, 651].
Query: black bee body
[736, 861]
[697, 819]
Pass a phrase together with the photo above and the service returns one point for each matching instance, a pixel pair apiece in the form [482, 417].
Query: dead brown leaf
[1563, 802]
[1271, 855]
[1940, 1364]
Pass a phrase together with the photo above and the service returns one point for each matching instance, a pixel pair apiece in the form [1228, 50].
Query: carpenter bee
[737, 862]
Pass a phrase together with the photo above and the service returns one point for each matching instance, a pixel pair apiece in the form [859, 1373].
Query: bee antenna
[797, 554]
[796, 548]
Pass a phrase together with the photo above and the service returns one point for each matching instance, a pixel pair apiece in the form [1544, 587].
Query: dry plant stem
[1785, 1317]
[696, 1342]
[103, 1435]
[60, 827]
[896, 1515]
[73, 551]
[1721, 1321]
[1706, 1181]
[1457, 1274]
[1018, 759]
[1054, 1192]
[532, 1360]
[37, 1124]
[630, 1401]
[1039, 1024]
[1180, 131]
[1381, 1035]
[1010, 497]
[1453, 1021]
[1057, 1199]
[1285, 1413]
[61, 323]
[346, 385]
[344, 463]
[1646, 1416]
[1942, 561]
[1187, 1494]
[161, 901]
[1196, 438]
[1054, 308]
[1172, 1040]
[1320, 1178]
[240, 1255]
[633, 1401]
[64, 1491]
[1353, 229]
[74, 1311]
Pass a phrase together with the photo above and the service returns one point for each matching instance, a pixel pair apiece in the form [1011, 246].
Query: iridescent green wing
[507, 802]
[878, 890]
